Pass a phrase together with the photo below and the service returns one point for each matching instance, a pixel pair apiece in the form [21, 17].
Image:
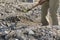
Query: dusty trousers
[52, 5]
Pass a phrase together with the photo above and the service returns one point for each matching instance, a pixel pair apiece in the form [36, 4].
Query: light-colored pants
[52, 5]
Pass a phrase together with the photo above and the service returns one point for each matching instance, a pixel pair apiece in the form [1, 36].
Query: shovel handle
[33, 7]
[36, 5]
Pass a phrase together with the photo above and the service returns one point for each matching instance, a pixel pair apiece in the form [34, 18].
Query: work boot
[44, 22]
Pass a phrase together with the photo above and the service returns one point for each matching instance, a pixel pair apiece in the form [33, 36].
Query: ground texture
[17, 25]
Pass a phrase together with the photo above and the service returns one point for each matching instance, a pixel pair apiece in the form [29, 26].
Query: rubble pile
[30, 33]
[17, 25]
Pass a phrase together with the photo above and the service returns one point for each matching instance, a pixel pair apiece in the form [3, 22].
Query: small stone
[31, 32]
[16, 39]
[58, 32]
[7, 32]
[0, 33]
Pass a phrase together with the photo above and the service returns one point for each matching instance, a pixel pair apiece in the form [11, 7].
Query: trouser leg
[53, 5]
[44, 11]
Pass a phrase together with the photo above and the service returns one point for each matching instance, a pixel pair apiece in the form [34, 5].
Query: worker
[52, 5]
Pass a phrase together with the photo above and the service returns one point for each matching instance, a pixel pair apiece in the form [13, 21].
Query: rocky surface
[17, 25]
[30, 33]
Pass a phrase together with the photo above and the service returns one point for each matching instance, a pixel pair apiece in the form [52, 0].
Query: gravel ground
[16, 25]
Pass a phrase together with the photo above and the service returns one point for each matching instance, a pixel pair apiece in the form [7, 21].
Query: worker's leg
[53, 5]
[44, 11]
